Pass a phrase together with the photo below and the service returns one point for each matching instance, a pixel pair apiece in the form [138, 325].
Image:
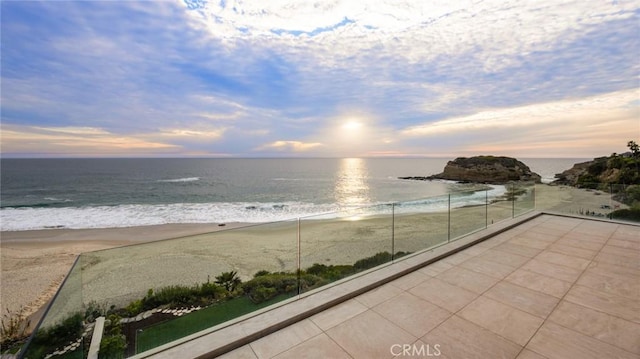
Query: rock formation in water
[484, 169]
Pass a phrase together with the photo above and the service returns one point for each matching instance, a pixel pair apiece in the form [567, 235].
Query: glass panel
[623, 200]
[523, 195]
[421, 224]
[468, 213]
[222, 268]
[592, 201]
[165, 290]
[500, 204]
[350, 242]
[61, 332]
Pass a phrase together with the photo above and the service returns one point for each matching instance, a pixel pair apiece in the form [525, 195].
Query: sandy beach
[117, 266]
[34, 263]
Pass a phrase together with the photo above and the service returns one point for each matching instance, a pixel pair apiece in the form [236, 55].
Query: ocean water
[104, 193]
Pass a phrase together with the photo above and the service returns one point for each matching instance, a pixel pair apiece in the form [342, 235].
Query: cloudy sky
[441, 78]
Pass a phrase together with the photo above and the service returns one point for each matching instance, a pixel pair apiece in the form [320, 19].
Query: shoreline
[35, 262]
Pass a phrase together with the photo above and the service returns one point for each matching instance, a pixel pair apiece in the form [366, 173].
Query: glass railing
[603, 201]
[333, 249]
[64, 328]
[154, 293]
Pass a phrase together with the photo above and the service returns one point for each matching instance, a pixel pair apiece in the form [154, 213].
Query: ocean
[106, 193]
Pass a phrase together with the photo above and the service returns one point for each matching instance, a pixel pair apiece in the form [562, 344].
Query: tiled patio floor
[553, 287]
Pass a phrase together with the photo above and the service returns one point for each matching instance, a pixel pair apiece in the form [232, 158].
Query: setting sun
[352, 125]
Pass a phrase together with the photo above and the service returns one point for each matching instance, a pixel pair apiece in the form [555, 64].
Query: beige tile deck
[320, 346]
[447, 296]
[415, 315]
[527, 300]
[358, 340]
[459, 338]
[467, 279]
[502, 319]
[552, 287]
[538, 282]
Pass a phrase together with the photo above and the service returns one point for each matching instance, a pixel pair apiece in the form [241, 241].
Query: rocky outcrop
[486, 169]
[613, 169]
[570, 176]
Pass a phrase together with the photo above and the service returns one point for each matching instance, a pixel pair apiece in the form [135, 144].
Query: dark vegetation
[113, 341]
[263, 289]
[617, 174]
[57, 336]
[487, 161]
[13, 329]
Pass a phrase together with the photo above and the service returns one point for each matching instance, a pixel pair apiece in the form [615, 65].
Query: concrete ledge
[222, 339]
[96, 339]
[590, 218]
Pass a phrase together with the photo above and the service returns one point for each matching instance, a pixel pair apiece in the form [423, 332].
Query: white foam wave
[186, 179]
[20, 219]
[54, 199]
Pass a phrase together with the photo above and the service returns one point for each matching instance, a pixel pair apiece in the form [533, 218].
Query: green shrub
[331, 272]
[373, 261]
[13, 328]
[174, 295]
[310, 281]
[598, 166]
[68, 330]
[267, 286]
[261, 273]
[587, 180]
[47, 340]
[317, 269]
[112, 347]
[212, 291]
[93, 311]
[228, 280]
[261, 294]
[177, 296]
[134, 308]
[633, 194]
[631, 214]
[113, 342]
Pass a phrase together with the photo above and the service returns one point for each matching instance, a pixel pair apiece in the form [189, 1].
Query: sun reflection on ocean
[352, 187]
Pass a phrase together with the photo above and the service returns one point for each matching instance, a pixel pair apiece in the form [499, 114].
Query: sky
[294, 78]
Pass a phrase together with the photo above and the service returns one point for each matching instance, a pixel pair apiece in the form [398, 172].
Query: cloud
[197, 135]
[80, 131]
[577, 127]
[220, 116]
[415, 30]
[593, 109]
[225, 77]
[289, 146]
[73, 141]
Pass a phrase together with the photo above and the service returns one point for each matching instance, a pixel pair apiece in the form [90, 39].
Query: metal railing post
[299, 260]
[393, 231]
[513, 201]
[610, 201]
[486, 208]
[449, 220]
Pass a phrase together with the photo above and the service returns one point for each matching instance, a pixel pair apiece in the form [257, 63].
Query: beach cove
[34, 263]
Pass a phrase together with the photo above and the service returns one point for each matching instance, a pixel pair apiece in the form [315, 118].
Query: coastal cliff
[614, 169]
[484, 169]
